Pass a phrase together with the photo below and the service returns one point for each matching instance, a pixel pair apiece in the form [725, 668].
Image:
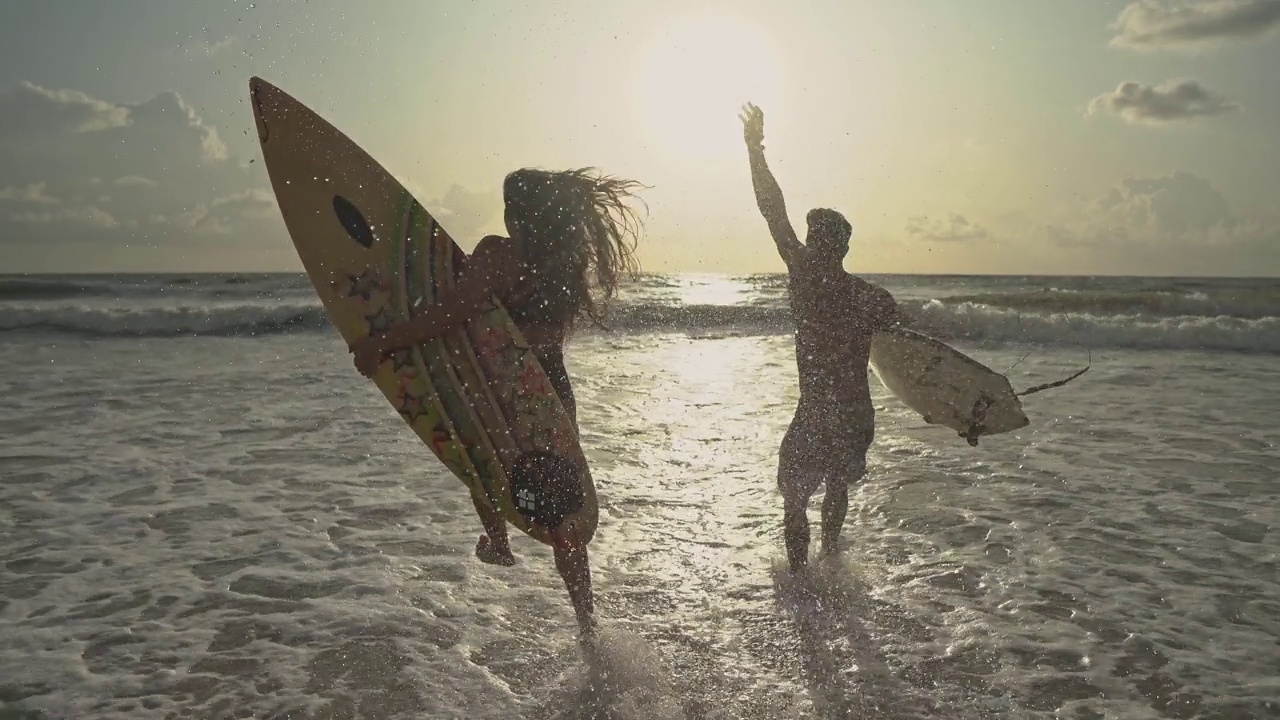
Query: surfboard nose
[261, 96]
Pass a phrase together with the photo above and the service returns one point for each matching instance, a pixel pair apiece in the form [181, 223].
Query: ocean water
[206, 513]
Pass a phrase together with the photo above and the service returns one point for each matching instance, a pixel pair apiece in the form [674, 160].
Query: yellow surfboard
[477, 396]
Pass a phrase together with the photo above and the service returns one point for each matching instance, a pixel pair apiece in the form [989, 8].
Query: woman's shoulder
[497, 250]
[495, 243]
[498, 258]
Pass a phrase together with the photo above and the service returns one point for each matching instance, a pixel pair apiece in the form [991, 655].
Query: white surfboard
[945, 386]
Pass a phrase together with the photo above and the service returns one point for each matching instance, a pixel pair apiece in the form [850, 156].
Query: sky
[991, 136]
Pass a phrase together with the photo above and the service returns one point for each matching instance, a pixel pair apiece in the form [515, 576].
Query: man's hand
[752, 126]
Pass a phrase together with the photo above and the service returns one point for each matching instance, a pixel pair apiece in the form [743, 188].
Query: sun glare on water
[693, 76]
[711, 289]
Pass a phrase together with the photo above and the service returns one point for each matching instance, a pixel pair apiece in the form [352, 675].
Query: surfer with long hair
[835, 315]
[572, 239]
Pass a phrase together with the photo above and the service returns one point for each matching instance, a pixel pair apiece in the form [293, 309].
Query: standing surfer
[835, 315]
[569, 246]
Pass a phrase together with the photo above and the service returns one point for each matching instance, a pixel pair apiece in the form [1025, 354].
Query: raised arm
[768, 194]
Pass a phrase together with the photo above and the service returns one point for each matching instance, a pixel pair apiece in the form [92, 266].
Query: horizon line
[142, 273]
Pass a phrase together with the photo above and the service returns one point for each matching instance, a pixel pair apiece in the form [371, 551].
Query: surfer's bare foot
[494, 553]
[798, 569]
[590, 643]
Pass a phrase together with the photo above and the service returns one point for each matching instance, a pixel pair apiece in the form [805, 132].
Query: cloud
[124, 183]
[220, 215]
[30, 108]
[160, 112]
[136, 181]
[1173, 101]
[30, 112]
[1180, 209]
[464, 213]
[87, 215]
[1177, 205]
[209, 47]
[30, 193]
[1188, 26]
[957, 228]
[1167, 224]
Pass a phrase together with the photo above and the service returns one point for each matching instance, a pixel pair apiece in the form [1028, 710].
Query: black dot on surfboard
[352, 221]
[546, 488]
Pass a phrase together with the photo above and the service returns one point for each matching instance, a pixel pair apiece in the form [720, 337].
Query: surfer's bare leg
[575, 568]
[850, 469]
[494, 547]
[797, 482]
[835, 505]
[795, 530]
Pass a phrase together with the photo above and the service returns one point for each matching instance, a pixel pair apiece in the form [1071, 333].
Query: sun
[691, 79]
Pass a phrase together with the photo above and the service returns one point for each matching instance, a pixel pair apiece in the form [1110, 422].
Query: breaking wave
[963, 321]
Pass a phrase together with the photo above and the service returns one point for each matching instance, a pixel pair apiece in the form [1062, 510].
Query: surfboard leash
[1058, 383]
[1055, 341]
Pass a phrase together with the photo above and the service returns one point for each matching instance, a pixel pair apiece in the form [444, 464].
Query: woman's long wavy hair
[579, 236]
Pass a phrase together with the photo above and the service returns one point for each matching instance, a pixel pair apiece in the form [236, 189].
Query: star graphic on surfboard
[412, 407]
[364, 285]
[380, 321]
[405, 383]
[401, 359]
